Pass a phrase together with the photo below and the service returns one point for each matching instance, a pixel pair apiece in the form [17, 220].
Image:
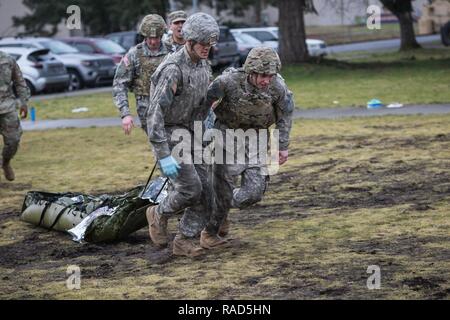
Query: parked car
[97, 46]
[245, 43]
[225, 53]
[84, 69]
[269, 36]
[41, 70]
[125, 39]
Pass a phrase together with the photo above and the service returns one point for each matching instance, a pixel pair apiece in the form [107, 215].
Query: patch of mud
[419, 283]
[14, 186]
[414, 247]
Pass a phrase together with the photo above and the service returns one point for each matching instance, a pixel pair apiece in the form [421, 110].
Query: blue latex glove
[169, 167]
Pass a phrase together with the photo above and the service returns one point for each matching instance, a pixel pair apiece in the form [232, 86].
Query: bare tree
[402, 9]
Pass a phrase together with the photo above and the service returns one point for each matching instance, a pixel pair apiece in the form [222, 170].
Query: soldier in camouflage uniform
[175, 40]
[254, 97]
[135, 70]
[179, 88]
[14, 94]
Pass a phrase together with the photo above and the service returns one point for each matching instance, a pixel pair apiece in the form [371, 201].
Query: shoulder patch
[126, 61]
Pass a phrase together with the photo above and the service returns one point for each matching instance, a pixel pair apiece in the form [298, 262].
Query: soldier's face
[176, 29]
[153, 43]
[261, 81]
[202, 50]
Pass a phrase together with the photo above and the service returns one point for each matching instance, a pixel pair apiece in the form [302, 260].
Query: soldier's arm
[20, 86]
[160, 104]
[284, 111]
[216, 91]
[123, 80]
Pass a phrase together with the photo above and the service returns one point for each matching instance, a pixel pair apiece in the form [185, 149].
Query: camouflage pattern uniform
[11, 80]
[244, 106]
[136, 68]
[168, 112]
[171, 45]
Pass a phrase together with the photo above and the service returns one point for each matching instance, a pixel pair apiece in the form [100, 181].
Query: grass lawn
[354, 33]
[418, 77]
[355, 193]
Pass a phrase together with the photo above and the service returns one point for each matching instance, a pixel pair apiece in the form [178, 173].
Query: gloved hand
[169, 166]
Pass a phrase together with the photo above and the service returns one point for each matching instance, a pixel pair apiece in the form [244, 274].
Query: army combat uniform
[244, 106]
[11, 83]
[179, 89]
[136, 68]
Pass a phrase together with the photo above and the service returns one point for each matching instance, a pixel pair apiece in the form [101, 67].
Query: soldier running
[135, 70]
[253, 97]
[14, 93]
[179, 88]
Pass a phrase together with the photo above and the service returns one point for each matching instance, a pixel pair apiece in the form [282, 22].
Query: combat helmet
[201, 27]
[262, 60]
[153, 25]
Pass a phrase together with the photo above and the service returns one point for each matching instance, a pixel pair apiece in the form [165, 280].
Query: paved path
[331, 113]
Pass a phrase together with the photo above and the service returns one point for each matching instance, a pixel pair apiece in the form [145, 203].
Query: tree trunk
[402, 10]
[258, 8]
[408, 37]
[292, 36]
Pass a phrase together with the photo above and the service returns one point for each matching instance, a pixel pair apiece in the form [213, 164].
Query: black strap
[151, 175]
[58, 217]
[43, 213]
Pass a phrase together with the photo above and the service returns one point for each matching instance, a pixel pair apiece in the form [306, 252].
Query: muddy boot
[183, 246]
[8, 171]
[224, 228]
[211, 241]
[157, 227]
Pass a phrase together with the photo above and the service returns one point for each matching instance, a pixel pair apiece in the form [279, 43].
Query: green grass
[417, 77]
[355, 33]
[100, 105]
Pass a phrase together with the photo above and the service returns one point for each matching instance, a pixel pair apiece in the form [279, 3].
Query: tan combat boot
[8, 171]
[224, 228]
[157, 227]
[210, 241]
[183, 246]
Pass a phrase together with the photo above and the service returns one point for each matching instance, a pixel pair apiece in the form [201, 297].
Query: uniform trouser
[142, 103]
[190, 194]
[226, 196]
[11, 131]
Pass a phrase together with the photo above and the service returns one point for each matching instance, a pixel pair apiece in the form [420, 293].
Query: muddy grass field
[355, 193]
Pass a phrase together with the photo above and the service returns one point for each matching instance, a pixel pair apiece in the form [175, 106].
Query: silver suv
[225, 53]
[84, 69]
[41, 69]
